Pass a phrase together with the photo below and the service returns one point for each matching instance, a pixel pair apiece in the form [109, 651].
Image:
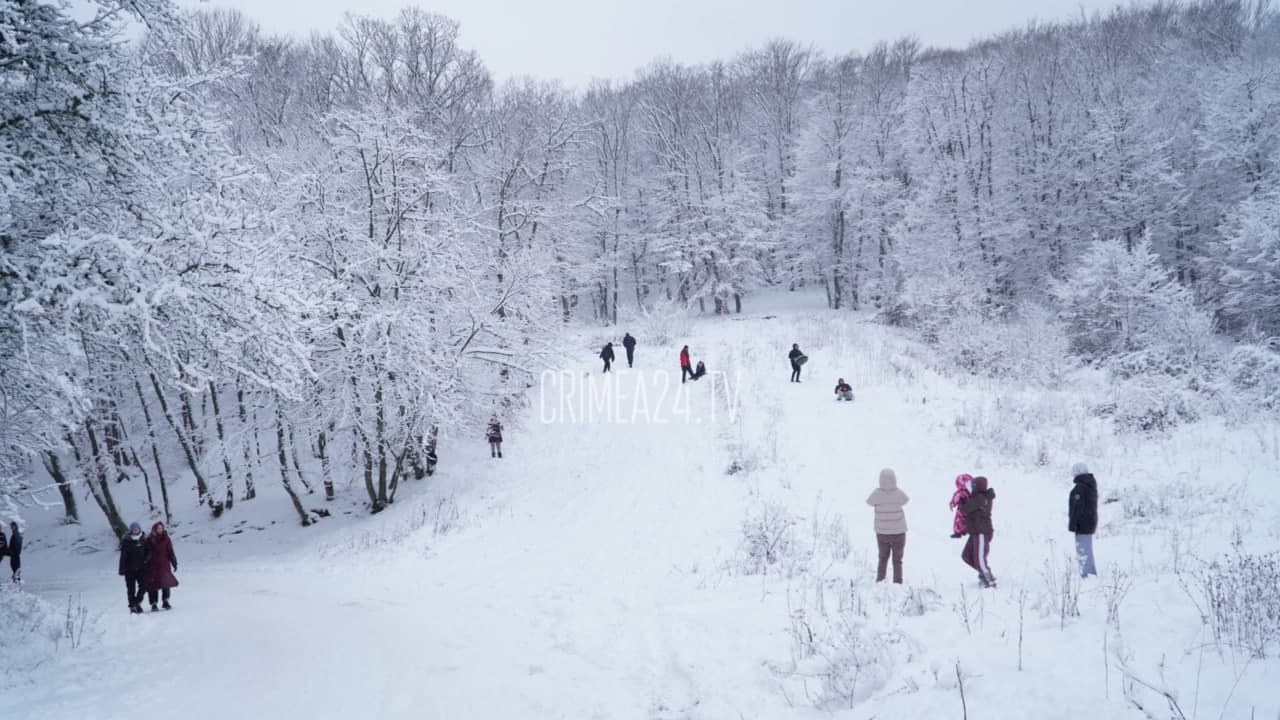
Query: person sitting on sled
[844, 391]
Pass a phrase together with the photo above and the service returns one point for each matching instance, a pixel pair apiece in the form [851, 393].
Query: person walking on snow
[961, 494]
[844, 391]
[977, 517]
[629, 344]
[494, 434]
[686, 367]
[15, 552]
[1082, 513]
[794, 356]
[699, 371]
[607, 356]
[890, 523]
[160, 560]
[133, 565]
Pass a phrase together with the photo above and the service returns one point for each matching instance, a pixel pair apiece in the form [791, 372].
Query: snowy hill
[652, 550]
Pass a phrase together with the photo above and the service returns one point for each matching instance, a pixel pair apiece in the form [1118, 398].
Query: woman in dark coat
[160, 559]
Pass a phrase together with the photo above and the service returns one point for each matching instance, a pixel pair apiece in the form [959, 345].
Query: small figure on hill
[890, 523]
[133, 565]
[686, 367]
[958, 527]
[844, 391]
[161, 565]
[607, 356]
[494, 434]
[1082, 511]
[15, 552]
[977, 517]
[699, 371]
[4, 545]
[629, 344]
[797, 359]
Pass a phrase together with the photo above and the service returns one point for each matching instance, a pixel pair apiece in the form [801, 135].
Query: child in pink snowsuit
[958, 527]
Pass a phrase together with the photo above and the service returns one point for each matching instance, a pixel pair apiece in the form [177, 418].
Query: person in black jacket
[1082, 514]
[794, 356]
[977, 516]
[134, 557]
[629, 344]
[607, 355]
[15, 552]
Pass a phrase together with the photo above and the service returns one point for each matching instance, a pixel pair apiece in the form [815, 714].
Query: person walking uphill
[686, 367]
[133, 565]
[797, 359]
[494, 435]
[629, 344]
[160, 560]
[890, 524]
[15, 552]
[1082, 513]
[607, 356]
[977, 518]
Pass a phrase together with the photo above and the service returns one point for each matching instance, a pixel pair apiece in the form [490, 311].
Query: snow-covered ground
[647, 553]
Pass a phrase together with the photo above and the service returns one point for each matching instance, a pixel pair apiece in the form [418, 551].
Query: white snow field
[652, 559]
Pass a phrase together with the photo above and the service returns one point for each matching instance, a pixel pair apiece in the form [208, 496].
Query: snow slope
[602, 569]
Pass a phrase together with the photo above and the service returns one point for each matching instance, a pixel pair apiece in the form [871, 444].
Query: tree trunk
[202, 489]
[283, 457]
[155, 453]
[99, 485]
[222, 444]
[249, 491]
[70, 513]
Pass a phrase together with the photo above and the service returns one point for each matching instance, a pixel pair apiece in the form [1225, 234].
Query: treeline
[234, 257]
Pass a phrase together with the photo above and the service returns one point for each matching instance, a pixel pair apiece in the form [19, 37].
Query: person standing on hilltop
[686, 367]
[977, 518]
[1082, 510]
[494, 435]
[797, 359]
[606, 354]
[890, 523]
[629, 344]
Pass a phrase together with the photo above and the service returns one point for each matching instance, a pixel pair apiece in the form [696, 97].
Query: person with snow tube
[494, 435]
[797, 359]
[1082, 513]
[958, 527]
[133, 565]
[629, 344]
[607, 356]
[160, 559]
[844, 391]
[977, 517]
[890, 524]
[686, 367]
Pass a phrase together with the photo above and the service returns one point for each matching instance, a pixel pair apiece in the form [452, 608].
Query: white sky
[576, 40]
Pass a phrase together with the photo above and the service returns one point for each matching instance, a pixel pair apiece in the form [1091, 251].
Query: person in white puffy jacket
[890, 524]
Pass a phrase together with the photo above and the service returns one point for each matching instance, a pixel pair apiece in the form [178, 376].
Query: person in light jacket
[890, 523]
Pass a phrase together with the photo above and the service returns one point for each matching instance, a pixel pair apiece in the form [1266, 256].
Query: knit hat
[134, 526]
[1079, 469]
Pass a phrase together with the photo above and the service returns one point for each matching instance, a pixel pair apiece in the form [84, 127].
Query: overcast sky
[576, 40]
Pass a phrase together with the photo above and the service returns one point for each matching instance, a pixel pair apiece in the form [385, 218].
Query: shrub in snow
[30, 630]
[1251, 265]
[768, 538]
[1254, 372]
[1152, 403]
[845, 653]
[1240, 604]
[667, 323]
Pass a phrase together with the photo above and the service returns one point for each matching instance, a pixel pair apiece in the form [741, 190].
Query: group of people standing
[13, 548]
[972, 502]
[148, 564]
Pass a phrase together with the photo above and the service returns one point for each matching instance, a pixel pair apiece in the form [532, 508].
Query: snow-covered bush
[32, 629]
[849, 657]
[1251, 266]
[1253, 371]
[768, 538]
[1240, 602]
[666, 323]
[1151, 403]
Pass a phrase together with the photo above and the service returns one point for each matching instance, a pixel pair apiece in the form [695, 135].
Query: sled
[800, 361]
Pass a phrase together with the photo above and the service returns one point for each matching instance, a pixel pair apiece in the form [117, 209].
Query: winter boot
[956, 535]
[166, 605]
[135, 609]
[155, 608]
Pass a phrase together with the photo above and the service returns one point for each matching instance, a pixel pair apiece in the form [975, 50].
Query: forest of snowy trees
[234, 257]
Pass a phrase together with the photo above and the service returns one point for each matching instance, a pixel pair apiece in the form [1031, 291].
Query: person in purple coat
[161, 564]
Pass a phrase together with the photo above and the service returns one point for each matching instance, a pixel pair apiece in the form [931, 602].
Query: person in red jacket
[161, 564]
[686, 367]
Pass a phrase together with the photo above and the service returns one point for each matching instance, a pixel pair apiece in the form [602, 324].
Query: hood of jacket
[1088, 481]
[888, 479]
[980, 484]
[963, 480]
